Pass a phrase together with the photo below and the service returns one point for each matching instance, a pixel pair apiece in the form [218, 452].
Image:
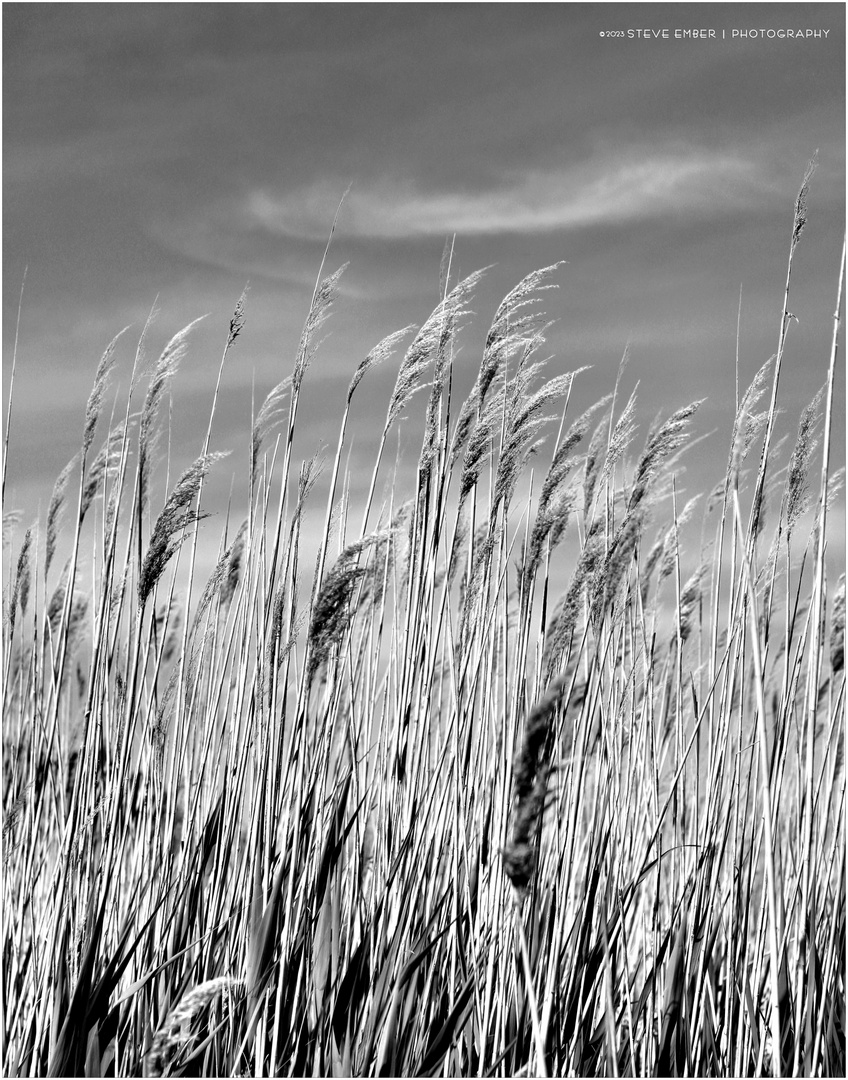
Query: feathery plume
[835, 483]
[140, 358]
[268, 415]
[103, 465]
[567, 611]
[319, 312]
[562, 464]
[10, 822]
[385, 553]
[238, 319]
[11, 520]
[331, 615]
[54, 512]
[649, 565]
[523, 420]
[514, 323]
[837, 628]
[160, 380]
[479, 444]
[690, 596]
[671, 539]
[234, 562]
[621, 437]
[512, 329]
[168, 532]
[278, 608]
[459, 541]
[159, 728]
[796, 481]
[430, 340]
[20, 590]
[551, 522]
[590, 466]
[747, 424]
[801, 202]
[555, 506]
[57, 600]
[378, 354]
[530, 771]
[175, 1032]
[95, 398]
[309, 472]
[79, 610]
[213, 585]
[609, 573]
[669, 438]
[463, 426]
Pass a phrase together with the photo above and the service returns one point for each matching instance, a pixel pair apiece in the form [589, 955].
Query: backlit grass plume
[95, 398]
[160, 379]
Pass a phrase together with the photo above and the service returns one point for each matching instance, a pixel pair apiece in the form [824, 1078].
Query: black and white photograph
[423, 553]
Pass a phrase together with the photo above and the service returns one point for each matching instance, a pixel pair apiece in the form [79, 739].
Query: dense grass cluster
[382, 797]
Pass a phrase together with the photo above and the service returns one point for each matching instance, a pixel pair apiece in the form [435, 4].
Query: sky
[173, 153]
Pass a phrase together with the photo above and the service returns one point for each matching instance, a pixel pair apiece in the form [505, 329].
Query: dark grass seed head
[837, 628]
[169, 530]
[54, 512]
[238, 319]
[20, 593]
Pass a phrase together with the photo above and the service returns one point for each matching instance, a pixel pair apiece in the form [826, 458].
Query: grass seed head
[238, 319]
[95, 398]
[54, 512]
[319, 312]
[104, 465]
[175, 1033]
[378, 354]
[22, 573]
[160, 381]
[797, 499]
[269, 414]
[173, 520]
[800, 219]
[837, 628]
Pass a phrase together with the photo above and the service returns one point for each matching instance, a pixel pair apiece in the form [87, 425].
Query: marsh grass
[381, 802]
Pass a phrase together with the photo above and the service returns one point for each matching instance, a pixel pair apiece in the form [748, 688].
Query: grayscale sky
[180, 151]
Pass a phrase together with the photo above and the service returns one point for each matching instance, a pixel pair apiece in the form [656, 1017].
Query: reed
[405, 800]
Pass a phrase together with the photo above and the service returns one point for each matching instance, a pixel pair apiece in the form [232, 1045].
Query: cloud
[537, 200]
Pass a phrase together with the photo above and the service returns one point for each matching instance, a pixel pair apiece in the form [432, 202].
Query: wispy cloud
[638, 187]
